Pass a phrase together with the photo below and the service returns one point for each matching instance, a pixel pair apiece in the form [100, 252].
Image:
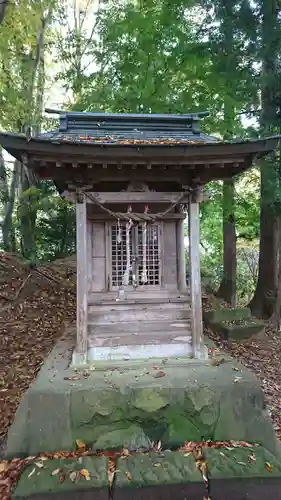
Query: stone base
[133, 405]
[233, 324]
[79, 358]
[157, 476]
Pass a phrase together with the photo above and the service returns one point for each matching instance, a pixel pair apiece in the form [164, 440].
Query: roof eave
[18, 145]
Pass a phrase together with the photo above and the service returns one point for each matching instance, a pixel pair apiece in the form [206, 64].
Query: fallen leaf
[128, 476]
[158, 446]
[158, 374]
[32, 472]
[4, 466]
[80, 444]
[217, 362]
[85, 474]
[268, 467]
[61, 478]
[39, 465]
[56, 472]
[73, 377]
[237, 379]
[73, 476]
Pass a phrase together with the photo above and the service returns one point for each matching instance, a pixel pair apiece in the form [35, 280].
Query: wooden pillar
[80, 353]
[195, 277]
[181, 261]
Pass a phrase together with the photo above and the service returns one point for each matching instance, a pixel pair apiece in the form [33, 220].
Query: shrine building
[133, 178]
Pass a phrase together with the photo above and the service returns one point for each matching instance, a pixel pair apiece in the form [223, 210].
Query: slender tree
[262, 303]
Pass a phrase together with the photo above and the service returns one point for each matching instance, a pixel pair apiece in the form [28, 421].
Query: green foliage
[168, 56]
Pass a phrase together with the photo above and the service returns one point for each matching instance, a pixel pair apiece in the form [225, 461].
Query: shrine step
[140, 339]
[125, 328]
[139, 296]
[143, 349]
[133, 312]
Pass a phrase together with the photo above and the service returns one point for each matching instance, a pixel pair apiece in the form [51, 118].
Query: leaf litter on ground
[29, 332]
[262, 355]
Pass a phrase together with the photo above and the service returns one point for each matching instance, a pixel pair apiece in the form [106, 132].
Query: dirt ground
[35, 307]
[262, 355]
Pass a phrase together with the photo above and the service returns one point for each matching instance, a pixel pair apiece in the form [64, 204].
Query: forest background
[151, 56]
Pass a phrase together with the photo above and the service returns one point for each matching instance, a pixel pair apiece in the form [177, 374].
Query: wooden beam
[195, 277]
[157, 163]
[118, 197]
[137, 197]
[80, 353]
[106, 217]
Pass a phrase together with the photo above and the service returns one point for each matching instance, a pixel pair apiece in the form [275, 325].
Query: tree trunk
[34, 97]
[277, 309]
[8, 199]
[27, 219]
[262, 304]
[3, 8]
[227, 288]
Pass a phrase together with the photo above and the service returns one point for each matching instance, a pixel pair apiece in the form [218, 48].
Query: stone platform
[234, 324]
[234, 474]
[133, 404]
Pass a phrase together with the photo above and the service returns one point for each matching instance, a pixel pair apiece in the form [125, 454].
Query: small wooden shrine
[133, 178]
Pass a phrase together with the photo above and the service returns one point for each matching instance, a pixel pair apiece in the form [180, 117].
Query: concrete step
[139, 327]
[142, 350]
[140, 339]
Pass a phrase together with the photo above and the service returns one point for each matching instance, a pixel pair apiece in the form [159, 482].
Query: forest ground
[36, 305]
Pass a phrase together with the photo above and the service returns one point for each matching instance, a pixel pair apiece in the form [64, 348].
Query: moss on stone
[114, 436]
[42, 481]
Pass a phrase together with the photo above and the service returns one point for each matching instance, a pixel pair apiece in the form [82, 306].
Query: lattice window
[119, 255]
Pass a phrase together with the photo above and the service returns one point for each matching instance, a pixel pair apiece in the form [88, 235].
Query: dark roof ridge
[128, 116]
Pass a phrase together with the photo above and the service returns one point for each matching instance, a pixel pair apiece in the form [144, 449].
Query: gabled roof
[87, 142]
[111, 128]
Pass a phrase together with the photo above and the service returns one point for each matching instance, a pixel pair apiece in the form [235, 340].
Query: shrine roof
[122, 129]
[93, 138]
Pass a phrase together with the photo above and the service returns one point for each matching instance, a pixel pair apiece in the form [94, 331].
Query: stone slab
[42, 482]
[168, 400]
[221, 489]
[238, 332]
[225, 314]
[242, 463]
[149, 469]
[232, 476]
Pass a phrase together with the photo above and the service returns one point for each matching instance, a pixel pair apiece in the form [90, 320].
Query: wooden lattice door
[144, 263]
